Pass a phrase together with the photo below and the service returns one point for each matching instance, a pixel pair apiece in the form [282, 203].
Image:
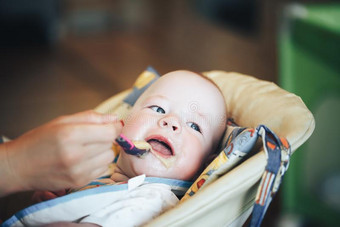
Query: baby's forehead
[187, 86]
[180, 75]
[185, 80]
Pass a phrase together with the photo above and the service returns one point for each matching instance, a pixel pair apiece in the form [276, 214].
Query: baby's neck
[118, 175]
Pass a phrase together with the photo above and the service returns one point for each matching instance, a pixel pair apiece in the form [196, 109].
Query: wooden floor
[39, 83]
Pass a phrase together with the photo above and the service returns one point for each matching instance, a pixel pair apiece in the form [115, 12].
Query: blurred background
[64, 56]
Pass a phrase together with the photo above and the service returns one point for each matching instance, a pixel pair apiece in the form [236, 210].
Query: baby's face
[182, 116]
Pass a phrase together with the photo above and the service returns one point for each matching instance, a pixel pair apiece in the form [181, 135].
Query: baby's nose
[171, 123]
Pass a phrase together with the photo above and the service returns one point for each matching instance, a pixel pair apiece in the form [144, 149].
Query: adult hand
[69, 151]
[40, 196]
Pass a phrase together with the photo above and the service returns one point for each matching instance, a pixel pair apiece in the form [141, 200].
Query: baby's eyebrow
[159, 96]
[154, 97]
[204, 117]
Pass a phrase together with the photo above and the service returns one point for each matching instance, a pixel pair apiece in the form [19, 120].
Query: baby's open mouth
[161, 146]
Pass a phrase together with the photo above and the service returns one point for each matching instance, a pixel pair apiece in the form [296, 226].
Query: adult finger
[88, 116]
[59, 193]
[46, 195]
[103, 171]
[90, 133]
[94, 149]
[94, 167]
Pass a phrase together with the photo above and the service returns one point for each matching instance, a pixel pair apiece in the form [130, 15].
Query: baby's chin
[150, 166]
[155, 169]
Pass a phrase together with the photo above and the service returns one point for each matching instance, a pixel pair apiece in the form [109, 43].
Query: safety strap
[278, 153]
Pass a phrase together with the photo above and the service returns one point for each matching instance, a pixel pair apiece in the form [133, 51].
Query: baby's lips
[122, 122]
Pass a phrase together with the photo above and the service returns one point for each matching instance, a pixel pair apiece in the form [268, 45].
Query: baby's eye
[194, 126]
[157, 109]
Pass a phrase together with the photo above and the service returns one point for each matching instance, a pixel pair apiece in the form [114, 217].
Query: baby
[182, 116]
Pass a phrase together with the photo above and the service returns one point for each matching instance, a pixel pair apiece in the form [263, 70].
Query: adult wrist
[9, 181]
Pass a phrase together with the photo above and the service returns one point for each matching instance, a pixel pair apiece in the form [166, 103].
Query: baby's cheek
[134, 130]
[186, 168]
[194, 158]
[137, 126]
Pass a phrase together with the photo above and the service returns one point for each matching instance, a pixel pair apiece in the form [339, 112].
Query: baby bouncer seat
[232, 194]
[271, 124]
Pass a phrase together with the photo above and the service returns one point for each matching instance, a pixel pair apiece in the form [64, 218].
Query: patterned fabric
[239, 144]
[278, 154]
[179, 187]
[102, 181]
[148, 77]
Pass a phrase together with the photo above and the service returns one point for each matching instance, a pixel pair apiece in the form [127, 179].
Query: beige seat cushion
[251, 102]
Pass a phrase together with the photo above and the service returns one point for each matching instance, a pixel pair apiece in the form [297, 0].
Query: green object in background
[309, 47]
